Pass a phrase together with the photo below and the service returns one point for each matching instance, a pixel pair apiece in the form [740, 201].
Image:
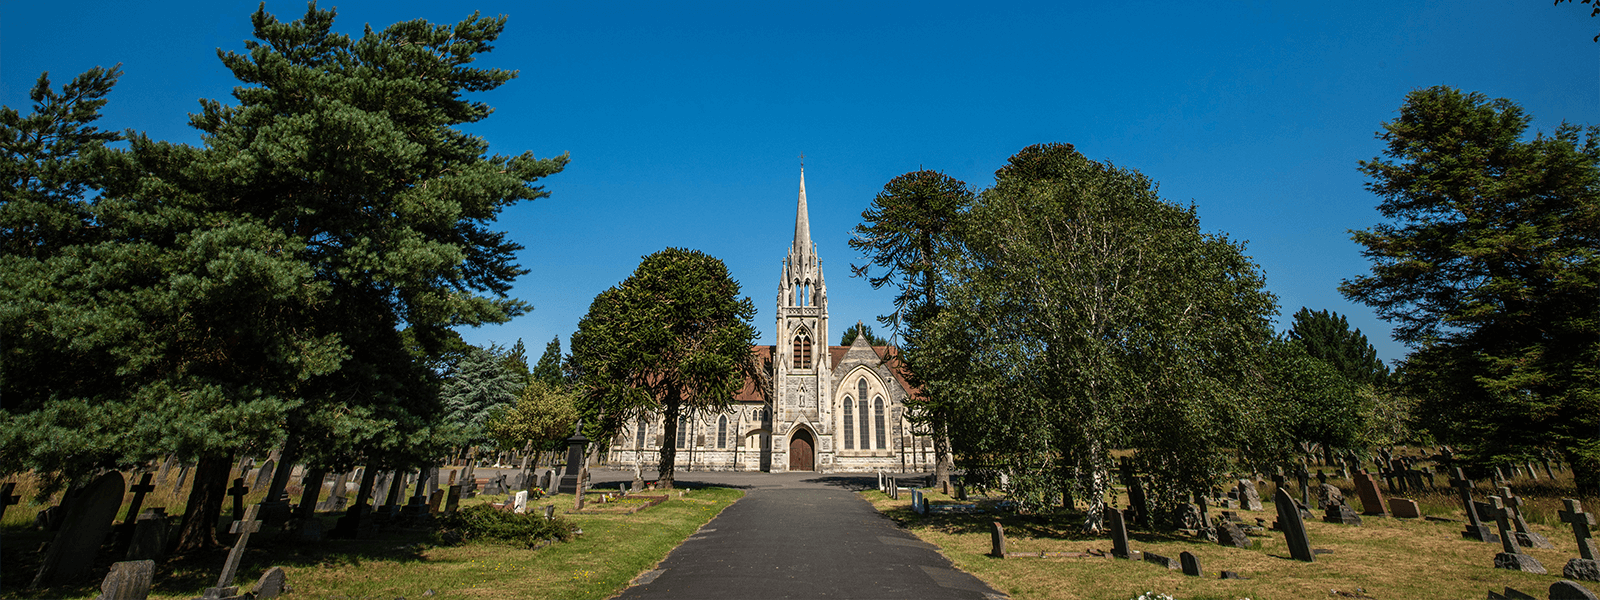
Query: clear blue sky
[684, 120]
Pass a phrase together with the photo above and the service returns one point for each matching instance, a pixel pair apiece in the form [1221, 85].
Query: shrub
[482, 522]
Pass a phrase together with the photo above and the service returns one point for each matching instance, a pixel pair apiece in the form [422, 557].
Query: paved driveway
[799, 535]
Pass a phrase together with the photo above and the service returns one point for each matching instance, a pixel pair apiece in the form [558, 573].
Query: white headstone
[916, 502]
[520, 504]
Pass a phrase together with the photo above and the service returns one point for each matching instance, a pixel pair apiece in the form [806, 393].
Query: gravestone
[1582, 569]
[237, 492]
[1510, 594]
[1191, 565]
[1339, 512]
[264, 475]
[130, 518]
[1512, 556]
[183, 474]
[997, 540]
[1476, 530]
[1230, 534]
[312, 489]
[549, 512]
[1119, 532]
[1328, 494]
[1402, 508]
[166, 467]
[453, 499]
[7, 498]
[381, 492]
[452, 477]
[435, 499]
[575, 449]
[243, 527]
[1159, 560]
[1525, 538]
[336, 495]
[417, 507]
[1294, 529]
[1249, 497]
[84, 527]
[519, 504]
[1372, 503]
[128, 580]
[311, 531]
[1581, 527]
[1567, 590]
[1303, 477]
[150, 533]
[916, 502]
[391, 500]
[272, 584]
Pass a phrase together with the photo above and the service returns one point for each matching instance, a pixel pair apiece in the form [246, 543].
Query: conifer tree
[548, 368]
[1327, 336]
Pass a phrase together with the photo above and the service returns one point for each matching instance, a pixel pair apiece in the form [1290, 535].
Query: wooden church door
[801, 457]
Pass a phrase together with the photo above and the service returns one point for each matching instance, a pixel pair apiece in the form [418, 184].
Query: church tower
[801, 358]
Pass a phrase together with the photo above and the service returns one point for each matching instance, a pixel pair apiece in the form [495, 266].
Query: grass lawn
[1383, 558]
[613, 549]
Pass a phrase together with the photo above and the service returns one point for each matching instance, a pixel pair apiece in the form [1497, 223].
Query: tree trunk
[669, 438]
[199, 529]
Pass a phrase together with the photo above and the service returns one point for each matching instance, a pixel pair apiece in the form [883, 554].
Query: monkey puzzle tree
[673, 338]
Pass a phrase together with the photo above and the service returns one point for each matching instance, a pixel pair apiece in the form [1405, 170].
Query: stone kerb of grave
[84, 528]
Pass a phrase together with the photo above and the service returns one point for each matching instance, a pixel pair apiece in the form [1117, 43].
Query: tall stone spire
[802, 220]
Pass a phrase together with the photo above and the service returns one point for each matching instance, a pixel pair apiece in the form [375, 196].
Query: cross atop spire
[802, 221]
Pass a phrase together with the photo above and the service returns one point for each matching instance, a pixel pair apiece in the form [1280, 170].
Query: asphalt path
[798, 535]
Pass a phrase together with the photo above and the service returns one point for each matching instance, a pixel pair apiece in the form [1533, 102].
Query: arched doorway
[801, 457]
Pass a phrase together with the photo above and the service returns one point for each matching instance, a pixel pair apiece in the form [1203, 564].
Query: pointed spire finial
[802, 220]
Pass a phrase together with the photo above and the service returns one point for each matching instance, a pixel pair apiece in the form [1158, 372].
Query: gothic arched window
[639, 440]
[682, 432]
[802, 351]
[722, 432]
[849, 425]
[866, 440]
[877, 419]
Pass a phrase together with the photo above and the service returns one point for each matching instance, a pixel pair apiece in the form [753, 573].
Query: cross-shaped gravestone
[6, 498]
[1526, 538]
[1512, 557]
[1581, 522]
[1475, 529]
[244, 527]
[125, 532]
[238, 491]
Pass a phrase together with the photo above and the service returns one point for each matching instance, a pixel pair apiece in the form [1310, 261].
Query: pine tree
[548, 369]
[850, 334]
[1327, 336]
[475, 386]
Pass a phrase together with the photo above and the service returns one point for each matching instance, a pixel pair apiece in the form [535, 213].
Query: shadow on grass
[192, 572]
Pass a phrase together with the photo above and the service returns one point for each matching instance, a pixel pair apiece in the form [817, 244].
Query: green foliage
[1316, 403]
[1490, 267]
[516, 362]
[850, 334]
[482, 522]
[673, 336]
[549, 368]
[1327, 336]
[476, 385]
[543, 415]
[1082, 314]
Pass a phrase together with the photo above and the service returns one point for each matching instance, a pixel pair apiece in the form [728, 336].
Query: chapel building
[832, 408]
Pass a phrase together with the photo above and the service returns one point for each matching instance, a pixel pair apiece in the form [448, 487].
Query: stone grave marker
[1294, 529]
[84, 527]
[1119, 532]
[7, 498]
[916, 502]
[391, 500]
[1567, 590]
[1161, 561]
[243, 527]
[183, 474]
[1372, 503]
[1512, 557]
[166, 467]
[1303, 477]
[237, 492]
[382, 490]
[1525, 538]
[272, 584]
[1510, 594]
[997, 539]
[1230, 534]
[1582, 523]
[418, 505]
[552, 484]
[264, 474]
[452, 499]
[311, 531]
[1339, 512]
[336, 495]
[435, 498]
[1476, 530]
[312, 489]
[1191, 565]
[130, 518]
[1402, 508]
[1249, 497]
[519, 504]
[549, 512]
[128, 580]
[150, 534]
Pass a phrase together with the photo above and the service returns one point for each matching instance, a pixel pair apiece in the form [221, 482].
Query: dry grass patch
[1383, 558]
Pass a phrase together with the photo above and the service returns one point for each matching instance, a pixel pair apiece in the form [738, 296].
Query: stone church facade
[833, 408]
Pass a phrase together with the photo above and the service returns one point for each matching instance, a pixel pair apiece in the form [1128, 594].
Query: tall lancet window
[866, 441]
[802, 351]
[849, 424]
[722, 432]
[877, 420]
[639, 439]
[682, 432]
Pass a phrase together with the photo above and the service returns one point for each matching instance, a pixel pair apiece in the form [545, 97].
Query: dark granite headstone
[264, 474]
[1294, 529]
[1119, 532]
[1339, 512]
[1581, 523]
[1191, 565]
[1372, 503]
[1525, 537]
[1476, 530]
[1159, 560]
[128, 580]
[1567, 590]
[150, 534]
[272, 584]
[1582, 569]
[452, 499]
[1230, 534]
[997, 540]
[84, 528]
